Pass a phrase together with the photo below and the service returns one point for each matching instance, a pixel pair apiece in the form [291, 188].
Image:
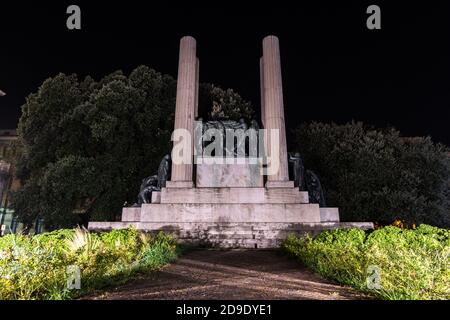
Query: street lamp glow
[2, 93]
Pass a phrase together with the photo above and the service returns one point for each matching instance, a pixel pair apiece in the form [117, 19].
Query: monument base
[279, 184]
[231, 235]
[239, 174]
[231, 217]
[179, 184]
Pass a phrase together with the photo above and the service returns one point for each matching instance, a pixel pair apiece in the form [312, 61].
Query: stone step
[255, 236]
[329, 215]
[256, 226]
[238, 243]
[131, 214]
[209, 236]
[233, 195]
[224, 212]
[231, 235]
[234, 243]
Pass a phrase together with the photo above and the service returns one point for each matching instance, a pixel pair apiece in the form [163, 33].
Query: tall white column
[261, 78]
[273, 111]
[197, 74]
[185, 108]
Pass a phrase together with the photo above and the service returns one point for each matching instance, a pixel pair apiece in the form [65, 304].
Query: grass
[45, 266]
[389, 263]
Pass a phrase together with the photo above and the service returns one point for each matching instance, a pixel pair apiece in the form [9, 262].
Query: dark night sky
[334, 68]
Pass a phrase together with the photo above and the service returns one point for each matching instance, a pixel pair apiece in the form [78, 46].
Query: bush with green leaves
[411, 264]
[378, 175]
[37, 267]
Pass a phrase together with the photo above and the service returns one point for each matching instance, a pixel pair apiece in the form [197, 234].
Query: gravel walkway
[231, 274]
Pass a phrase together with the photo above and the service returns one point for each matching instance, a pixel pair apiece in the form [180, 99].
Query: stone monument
[230, 204]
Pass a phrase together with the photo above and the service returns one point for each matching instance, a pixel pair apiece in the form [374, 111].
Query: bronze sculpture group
[304, 180]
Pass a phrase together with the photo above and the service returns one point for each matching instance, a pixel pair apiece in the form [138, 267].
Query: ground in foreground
[231, 274]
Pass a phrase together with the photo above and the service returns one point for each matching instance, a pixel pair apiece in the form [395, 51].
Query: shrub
[413, 264]
[377, 175]
[36, 267]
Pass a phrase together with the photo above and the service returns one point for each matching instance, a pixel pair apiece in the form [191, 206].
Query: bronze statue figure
[164, 171]
[148, 185]
[154, 182]
[298, 170]
[223, 125]
[314, 188]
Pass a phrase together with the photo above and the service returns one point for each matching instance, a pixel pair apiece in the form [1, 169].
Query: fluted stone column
[273, 110]
[261, 77]
[185, 108]
[197, 73]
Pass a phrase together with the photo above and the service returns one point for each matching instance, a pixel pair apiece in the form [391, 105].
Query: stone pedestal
[242, 173]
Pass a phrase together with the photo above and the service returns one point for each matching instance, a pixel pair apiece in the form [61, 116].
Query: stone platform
[230, 217]
[231, 235]
[223, 212]
[232, 195]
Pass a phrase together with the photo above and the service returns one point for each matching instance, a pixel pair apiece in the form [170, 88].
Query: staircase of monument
[230, 217]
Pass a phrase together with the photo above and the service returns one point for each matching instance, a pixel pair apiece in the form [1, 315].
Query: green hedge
[36, 267]
[412, 264]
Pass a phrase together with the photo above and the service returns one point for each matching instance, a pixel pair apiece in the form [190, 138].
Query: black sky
[334, 68]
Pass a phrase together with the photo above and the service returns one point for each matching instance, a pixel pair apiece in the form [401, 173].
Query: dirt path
[232, 274]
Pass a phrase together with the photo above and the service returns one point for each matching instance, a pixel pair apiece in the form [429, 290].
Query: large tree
[86, 145]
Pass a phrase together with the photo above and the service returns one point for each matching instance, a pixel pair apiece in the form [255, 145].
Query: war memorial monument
[230, 192]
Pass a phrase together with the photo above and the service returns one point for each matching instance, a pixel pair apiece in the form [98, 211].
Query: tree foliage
[377, 175]
[224, 104]
[86, 145]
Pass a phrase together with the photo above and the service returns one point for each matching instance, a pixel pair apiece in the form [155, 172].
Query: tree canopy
[224, 104]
